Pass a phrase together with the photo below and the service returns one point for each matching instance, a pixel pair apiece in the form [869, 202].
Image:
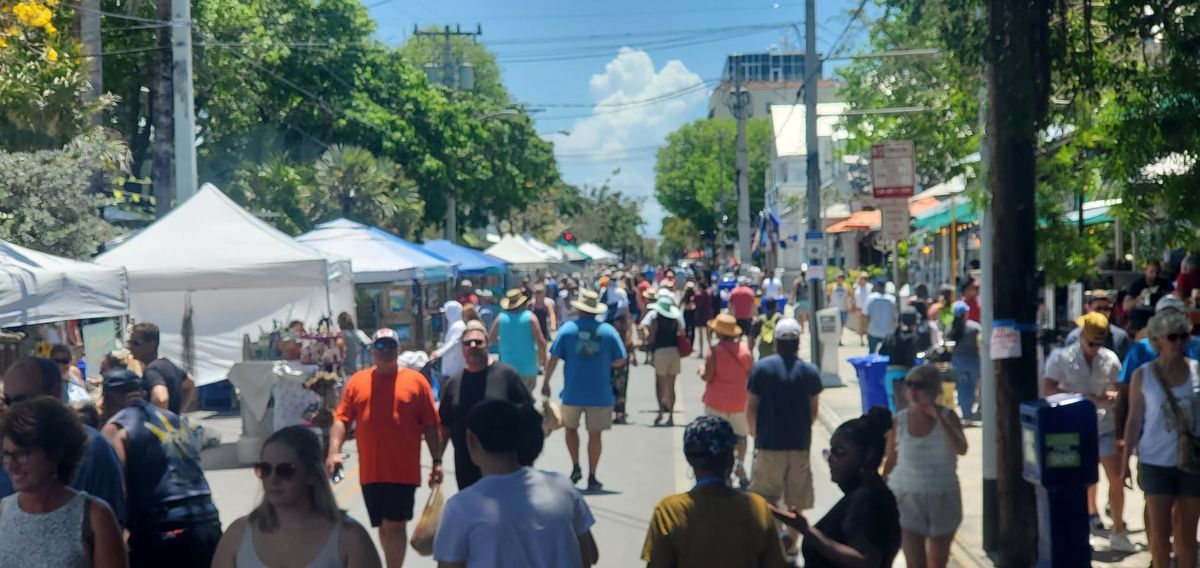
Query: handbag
[1187, 446]
[685, 344]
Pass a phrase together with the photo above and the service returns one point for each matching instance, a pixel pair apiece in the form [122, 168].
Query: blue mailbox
[1061, 460]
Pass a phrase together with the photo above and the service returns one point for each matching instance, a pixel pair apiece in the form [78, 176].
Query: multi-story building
[771, 78]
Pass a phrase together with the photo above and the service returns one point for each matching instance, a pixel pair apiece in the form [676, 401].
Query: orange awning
[858, 221]
[916, 207]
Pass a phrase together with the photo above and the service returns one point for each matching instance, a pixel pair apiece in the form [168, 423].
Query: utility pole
[739, 104]
[991, 498]
[161, 115]
[812, 194]
[184, 104]
[1018, 88]
[90, 42]
[453, 75]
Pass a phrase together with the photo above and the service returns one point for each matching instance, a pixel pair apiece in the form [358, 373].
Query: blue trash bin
[871, 371]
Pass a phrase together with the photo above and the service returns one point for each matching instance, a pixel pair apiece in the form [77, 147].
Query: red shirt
[974, 313]
[390, 412]
[741, 303]
[469, 299]
[726, 391]
[1185, 283]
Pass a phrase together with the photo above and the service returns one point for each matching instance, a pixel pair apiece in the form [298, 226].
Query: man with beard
[480, 380]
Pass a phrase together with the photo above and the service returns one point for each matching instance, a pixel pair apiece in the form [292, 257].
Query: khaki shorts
[741, 426]
[930, 514]
[529, 382]
[666, 361]
[599, 418]
[783, 474]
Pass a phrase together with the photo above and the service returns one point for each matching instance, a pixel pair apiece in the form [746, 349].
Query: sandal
[658, 420]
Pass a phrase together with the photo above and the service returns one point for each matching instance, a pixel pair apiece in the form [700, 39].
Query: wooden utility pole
[91, 49]
[161, 114]
[1018, 79]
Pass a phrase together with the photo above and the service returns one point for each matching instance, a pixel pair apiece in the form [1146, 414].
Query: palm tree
[354, 183]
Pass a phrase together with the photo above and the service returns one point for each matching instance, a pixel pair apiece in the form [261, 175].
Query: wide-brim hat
[589, 302]
[514, 299]
[664, 304]
[649, 294]
[725, 325]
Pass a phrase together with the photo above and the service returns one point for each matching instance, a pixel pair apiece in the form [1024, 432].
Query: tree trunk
[1018, 54]
[161, 116]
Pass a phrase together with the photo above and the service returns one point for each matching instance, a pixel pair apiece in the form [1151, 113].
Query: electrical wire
[636, 102]
[118, 15]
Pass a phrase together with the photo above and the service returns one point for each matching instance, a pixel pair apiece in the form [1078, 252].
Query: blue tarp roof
[377, 255]
[469, 260]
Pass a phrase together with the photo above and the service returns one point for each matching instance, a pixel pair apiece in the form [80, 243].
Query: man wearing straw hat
[519, 335]
[590, 349]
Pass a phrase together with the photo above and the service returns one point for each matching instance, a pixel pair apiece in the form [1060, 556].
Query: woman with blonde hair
[298, 522]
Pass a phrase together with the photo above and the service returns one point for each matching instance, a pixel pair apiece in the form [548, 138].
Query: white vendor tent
[377, 255]
[237, 275]
[36, 287]
[521, 255]
[548, 251]
[598, 253]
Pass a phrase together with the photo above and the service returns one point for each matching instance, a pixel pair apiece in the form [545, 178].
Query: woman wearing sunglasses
[1162, 396]
[298, 522]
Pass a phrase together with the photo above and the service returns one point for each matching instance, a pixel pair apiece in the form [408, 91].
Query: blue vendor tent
[470, 261]
[377, 255]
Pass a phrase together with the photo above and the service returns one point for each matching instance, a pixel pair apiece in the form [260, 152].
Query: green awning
[939, 216]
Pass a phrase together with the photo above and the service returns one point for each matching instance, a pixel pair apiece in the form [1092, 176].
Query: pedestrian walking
[964, 359]
[764, 328]
[74, 387]
[863, 528]
[450, 352]
[620, 375]
[170, 387]
[1158, 423]
[1088, 368]
[661, 329]
[781, 410]
[481, 380]
[704, 314]
[99, 472]
[515, 515]
[589, 349]
[726, 374]
[45, 523]
[519, 335]
[741, 305]
[800, 292]
[353, 343]
[712, 524]
[862, 295]
[881, 313]
[921, 469]
[466, 293]
[298, 522]
[688, 304]
[543, 307]
[1116, 340]
[838, 295]
[172, 519]
[970, 297]
[393, 409]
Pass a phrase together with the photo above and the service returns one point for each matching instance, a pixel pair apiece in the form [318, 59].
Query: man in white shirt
[514, 516]
[862, 294]
[881, 317]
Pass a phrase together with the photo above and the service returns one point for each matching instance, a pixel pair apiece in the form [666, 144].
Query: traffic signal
[568, 237]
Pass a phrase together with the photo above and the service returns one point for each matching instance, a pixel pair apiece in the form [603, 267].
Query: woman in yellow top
[713, 525]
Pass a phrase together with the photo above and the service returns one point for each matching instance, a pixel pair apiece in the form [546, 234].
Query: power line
[654, 99]
[117, 15]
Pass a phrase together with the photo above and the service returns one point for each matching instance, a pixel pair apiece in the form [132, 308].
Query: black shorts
[1158, 480]
[747, 325]
[389, 502]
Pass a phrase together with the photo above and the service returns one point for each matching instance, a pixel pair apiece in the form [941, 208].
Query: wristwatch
[437, 461]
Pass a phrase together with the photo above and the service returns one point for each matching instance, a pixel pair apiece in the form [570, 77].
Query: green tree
[678, 235]
[608, 218]
[689, 179]
[46, 197]
[430, 49]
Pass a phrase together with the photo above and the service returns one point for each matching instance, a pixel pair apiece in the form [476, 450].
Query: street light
[451, 201]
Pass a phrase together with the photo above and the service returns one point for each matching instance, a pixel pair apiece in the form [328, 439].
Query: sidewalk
[841, 404]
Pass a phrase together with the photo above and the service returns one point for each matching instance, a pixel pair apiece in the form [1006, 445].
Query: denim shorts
[1108, 444]
[1169, 481]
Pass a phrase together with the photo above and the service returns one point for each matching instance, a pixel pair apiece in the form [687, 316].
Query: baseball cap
[465, 284]
[1170, 302]
[787, 328]
[122, 380]
[961, 307]
[1093, 325]
[383, 335]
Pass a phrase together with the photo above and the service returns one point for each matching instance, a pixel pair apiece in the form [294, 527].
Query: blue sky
[549, 55]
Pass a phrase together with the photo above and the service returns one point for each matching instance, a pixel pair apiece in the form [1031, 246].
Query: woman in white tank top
[921, 470]
[298, 522]
[1153, 427]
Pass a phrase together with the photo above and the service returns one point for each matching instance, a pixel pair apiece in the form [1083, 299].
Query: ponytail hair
[869, 433]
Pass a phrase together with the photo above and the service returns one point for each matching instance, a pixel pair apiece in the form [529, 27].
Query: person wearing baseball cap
[466, 293]
[1117, 340]
[781, 410]
[713, 524]
[389, 443]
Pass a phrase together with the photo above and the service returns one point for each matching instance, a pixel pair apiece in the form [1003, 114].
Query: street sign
[896, 222]
[814, 252]
[893, 170]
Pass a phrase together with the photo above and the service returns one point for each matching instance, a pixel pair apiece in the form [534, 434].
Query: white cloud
[621, 130]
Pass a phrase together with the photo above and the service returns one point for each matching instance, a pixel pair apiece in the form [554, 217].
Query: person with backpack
[764, 328]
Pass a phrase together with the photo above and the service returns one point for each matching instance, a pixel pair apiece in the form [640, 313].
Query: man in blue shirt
[590, 350]
[99, 472]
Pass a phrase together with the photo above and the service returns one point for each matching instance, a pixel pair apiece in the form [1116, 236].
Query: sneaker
[1119, 542]
[739, 471]
[576, 474]
[594, 484]
[1095, 523]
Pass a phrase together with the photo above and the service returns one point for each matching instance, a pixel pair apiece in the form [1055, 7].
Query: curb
[959, 554]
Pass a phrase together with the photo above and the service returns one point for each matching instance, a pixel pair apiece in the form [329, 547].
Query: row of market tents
[230, 276]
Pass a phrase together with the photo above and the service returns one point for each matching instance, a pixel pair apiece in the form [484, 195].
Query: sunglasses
[1173, 337]
[474, 343]
[283, 471]
[1095, 344]
[62, 361]
[384, 344]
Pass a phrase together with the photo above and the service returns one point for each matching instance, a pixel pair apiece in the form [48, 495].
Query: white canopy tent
[598, 253]
[548, 251]
[237, 274]
[36, 287]
[376, 255]
[520, 255]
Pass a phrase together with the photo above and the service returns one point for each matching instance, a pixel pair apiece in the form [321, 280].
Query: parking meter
[1061, 455]
[829, 331]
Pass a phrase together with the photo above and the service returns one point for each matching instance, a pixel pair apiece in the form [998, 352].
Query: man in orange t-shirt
[393, 408]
